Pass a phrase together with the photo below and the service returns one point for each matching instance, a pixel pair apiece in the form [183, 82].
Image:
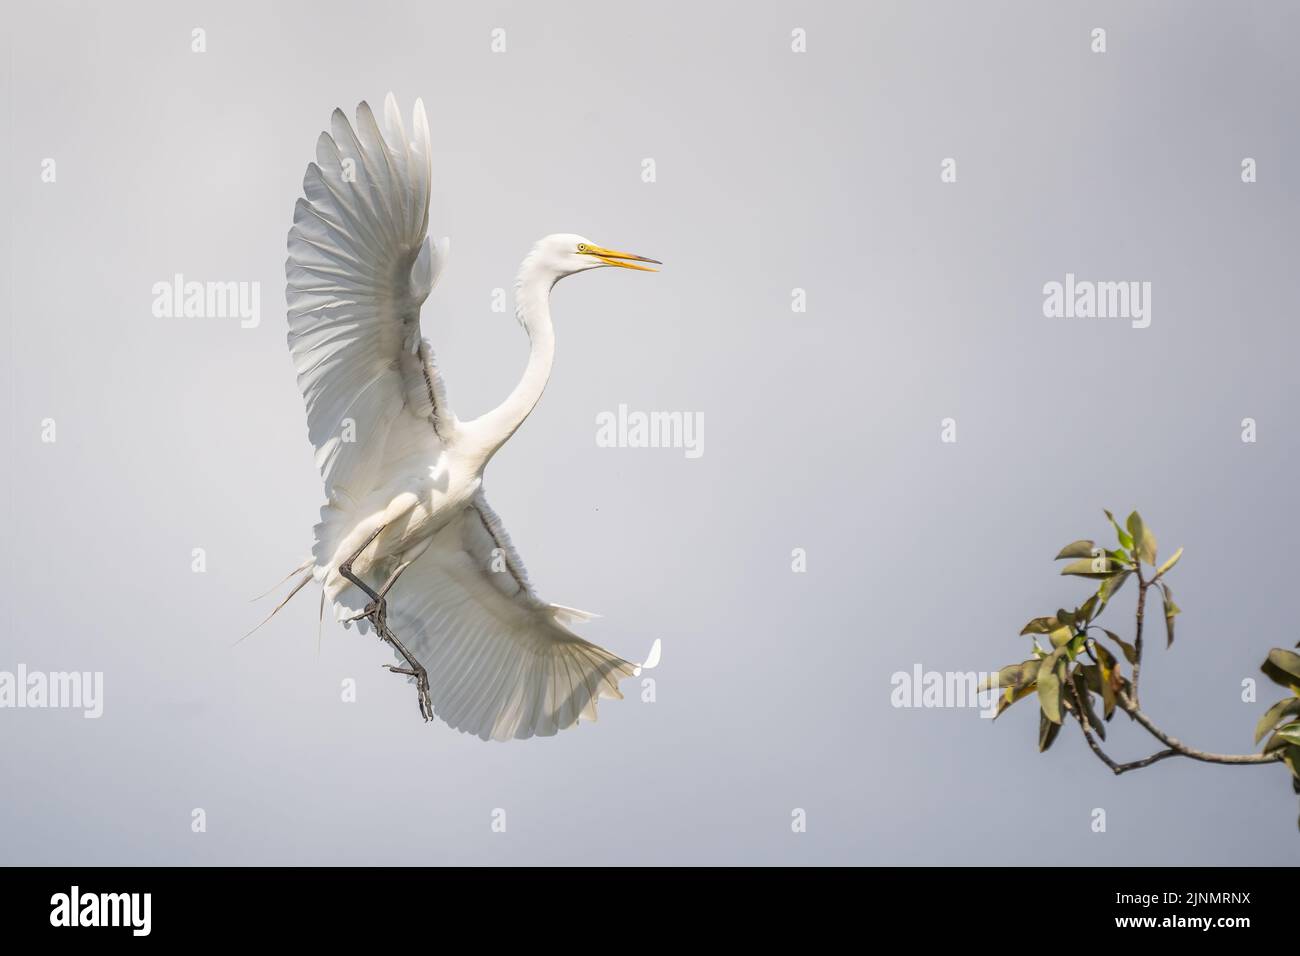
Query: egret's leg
[377, 612]
[345, 568]
[379, 602]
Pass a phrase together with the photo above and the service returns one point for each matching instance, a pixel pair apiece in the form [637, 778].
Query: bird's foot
[377, 614]
[413, 667]
[421, 685]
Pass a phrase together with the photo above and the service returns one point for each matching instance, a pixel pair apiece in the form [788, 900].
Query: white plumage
[402, 474]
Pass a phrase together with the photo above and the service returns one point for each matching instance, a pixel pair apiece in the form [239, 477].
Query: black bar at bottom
[576, 905]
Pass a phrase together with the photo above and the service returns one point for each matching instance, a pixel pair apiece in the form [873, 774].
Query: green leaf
[1041, 625]
[1280, 677]
[1028, 673]
[1011, 696]
[1049, 688]
[1077, 549]
[1085, 611]
[1143, 539]
[1061, 636]
[1003, 677]
[1287, 661]
[1170, 610]
[1287, 707]
[1169, 565]
[1125, 540]
[1291, 757]
[1290, 733]
[1047, 731]
[1274, 743]
[1110, 587]
[1013, 676]
[1130, 652]
[1098, 567]
[1108, 670]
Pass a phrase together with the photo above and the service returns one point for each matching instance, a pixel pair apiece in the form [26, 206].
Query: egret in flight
[407, 543]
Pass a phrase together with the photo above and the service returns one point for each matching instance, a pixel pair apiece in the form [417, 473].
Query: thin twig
[1137, 639]
[1176, 748]
[1081, 715]
[1145, 761]
[1131, 708]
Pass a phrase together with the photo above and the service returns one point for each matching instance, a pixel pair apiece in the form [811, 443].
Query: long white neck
[532, 308]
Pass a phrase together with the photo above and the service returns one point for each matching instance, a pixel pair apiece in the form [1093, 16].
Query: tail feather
[298, 586]
[275, 587]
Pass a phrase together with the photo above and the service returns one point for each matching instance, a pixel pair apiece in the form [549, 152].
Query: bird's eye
[582, 247]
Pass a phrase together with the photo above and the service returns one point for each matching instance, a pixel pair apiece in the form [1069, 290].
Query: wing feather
[500, 663]
[359, 267]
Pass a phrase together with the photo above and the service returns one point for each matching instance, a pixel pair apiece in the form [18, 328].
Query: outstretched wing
[359, 267]
[501, 663]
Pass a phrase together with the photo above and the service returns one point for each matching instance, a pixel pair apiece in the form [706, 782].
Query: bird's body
[403, 475]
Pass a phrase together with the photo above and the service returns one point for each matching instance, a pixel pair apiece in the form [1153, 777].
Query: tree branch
[1175, 747]
[1131, 708]
[1141, 610]
[1081, 715]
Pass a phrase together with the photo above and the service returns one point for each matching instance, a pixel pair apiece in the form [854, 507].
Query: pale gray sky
[775, 171]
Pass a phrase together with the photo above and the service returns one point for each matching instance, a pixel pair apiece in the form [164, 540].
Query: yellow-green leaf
[1061, 636]
[1077, 549]
[1291, 757]
[1168, 565]
[1049, 688]
[1098, 567]
[1011, 696]
[1125, 540]
[1011, 676]
[1130, 652]
[1143, 539]
[1274, 743]
[1110, 587]
[1279, 676]
[1290, 733]
[1288, 707]
[1285, 660]
[1108, 668]
[1170, 610]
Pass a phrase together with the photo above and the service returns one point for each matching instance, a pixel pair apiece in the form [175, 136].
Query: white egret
[406, 540]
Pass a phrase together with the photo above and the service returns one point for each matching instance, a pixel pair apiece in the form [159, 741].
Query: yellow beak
[624, 260]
